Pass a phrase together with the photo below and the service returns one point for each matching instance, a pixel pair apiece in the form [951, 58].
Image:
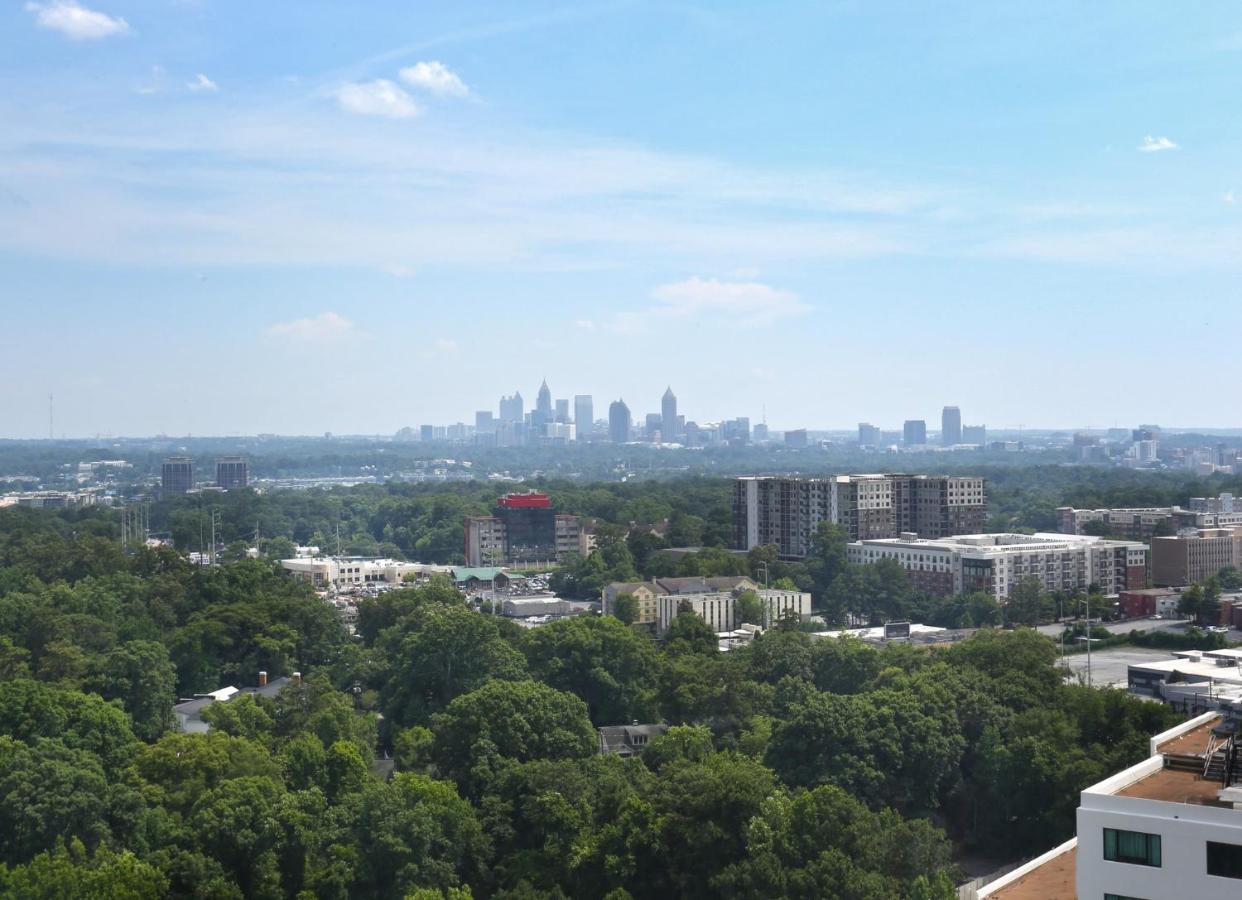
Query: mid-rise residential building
[1167, 827]
[997, 563]
[914, 433]
[712, 599]
[177, 475]
[1194, 556]
[950, 426]
[786, 511]
[232, 473]
[1142, 523]
[523, 529]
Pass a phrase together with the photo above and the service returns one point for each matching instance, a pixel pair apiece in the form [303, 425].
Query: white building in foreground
[325, 572]
[1159, 829]
[719, 608]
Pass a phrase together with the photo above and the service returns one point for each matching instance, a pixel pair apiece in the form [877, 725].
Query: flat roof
[1176, 786]
[1054, 880]
[1193, 741]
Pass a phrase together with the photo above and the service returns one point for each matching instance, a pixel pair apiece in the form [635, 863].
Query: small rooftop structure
[628, 740]
[189, 712]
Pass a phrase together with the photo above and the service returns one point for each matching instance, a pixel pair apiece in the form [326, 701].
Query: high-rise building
[618, 422]
[652, 425]
[562, 412]
[177, 475]
[426, 433]
[868, 435]
[232, 472]
[543, 401]
[914, 433]
[950, 426]
[975, 434]
[787, 511]
[1191, 557]
[796, 438]
[513, 409]
[669, 429]
[523, 528]
[584, 415]
[484, 422]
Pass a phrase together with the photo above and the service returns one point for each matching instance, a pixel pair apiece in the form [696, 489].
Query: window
[1224, 860]
[1134, 847]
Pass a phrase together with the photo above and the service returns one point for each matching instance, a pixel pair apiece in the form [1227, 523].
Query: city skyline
[231, 242]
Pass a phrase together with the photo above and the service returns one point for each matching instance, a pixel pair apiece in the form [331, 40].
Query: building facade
[232, 473]
[997, 563]
[523, 529]
[177, 475]
[618, 422]
[584, 416]
[914, 433]
[787, 511]
[669, 426]
[1190, 557]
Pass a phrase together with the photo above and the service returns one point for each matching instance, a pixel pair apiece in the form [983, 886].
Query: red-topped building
[524, 529]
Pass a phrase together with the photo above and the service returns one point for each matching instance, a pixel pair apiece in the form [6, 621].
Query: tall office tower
[484, 422]
[618, 422]
[950, 426]
[232, 472]
[584, 415]
[513, 409]
[652, 426]
[787, 511]
[562, 411]
[543, 401]
[669, 431]
[868, 435]
[426, 433]
[914, 433]
[177, 475]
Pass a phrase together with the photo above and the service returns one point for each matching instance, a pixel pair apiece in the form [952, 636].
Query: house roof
[482, 573]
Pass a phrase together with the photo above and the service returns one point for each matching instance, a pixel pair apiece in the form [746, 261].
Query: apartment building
[1189, 557]
[1143, 523]
[786, 511]
[996, 563]
[1168, 827]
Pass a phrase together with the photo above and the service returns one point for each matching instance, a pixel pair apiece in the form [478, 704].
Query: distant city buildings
[618, 422]
[950, 426]
[914, 433]
[995, 564]
[868, 435]
[524, 528]
[786, 511]
[232, 473]
[177, 475]
[1143, 523]
[670, 427]
[584, 416]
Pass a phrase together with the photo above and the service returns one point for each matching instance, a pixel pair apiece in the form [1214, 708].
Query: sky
[234, 218]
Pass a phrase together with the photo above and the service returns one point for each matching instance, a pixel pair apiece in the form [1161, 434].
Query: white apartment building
[344, 571]
[1160, 829]
[997, 563]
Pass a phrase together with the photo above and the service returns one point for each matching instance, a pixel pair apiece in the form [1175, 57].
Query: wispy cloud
[446, 345]
[435, 78]
[1229, 198]
[326, 327]
[75, 21]
[711, 301]
[1156, 144]
[202, 83]
[376, 98]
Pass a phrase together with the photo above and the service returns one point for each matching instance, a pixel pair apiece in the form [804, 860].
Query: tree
[237, 822]
[748, 609]
[142, 677]
[625, 608]
[610, 666]
[1026, 602]
[688, 633]
[521, 720]
[70, 873]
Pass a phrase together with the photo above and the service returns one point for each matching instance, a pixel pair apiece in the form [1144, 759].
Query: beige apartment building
[1187, 558]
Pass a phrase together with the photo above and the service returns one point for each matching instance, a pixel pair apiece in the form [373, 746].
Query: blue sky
[236, 218]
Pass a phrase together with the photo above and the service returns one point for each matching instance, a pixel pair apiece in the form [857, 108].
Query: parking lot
[1109, 667]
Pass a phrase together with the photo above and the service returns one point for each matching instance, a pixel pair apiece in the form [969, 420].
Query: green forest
[794, 768]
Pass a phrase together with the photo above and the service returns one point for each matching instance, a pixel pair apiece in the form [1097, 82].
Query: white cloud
[1229, 198]
[709, 300]
[1156, 144]
[75, 21]
[202, 83]
[435, 78]
[323, 328]
[446, 345]
[376, 98]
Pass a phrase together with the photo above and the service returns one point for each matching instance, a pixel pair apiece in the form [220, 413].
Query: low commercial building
[712, 599]
[997, 563]
[1140, 604]
[1170, 826]
[1194, 556]
[325, 572]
